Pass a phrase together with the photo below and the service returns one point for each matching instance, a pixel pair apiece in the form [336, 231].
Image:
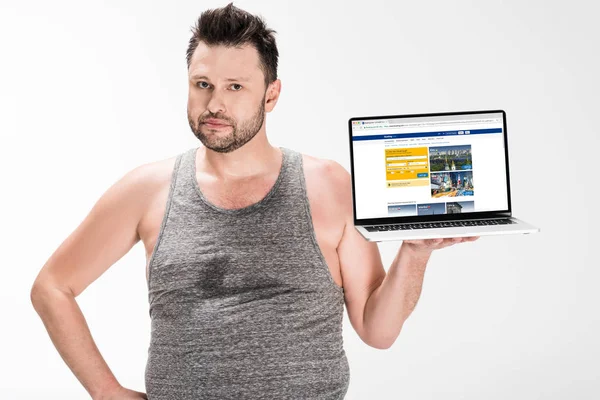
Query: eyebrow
[241, 79]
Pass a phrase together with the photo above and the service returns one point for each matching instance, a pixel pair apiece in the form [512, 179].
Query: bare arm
[107, 233]
[378, 303]
[360, 261]
[394, 300]
[71, 336]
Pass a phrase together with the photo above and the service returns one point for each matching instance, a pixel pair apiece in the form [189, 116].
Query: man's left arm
[392, 302]
[378, 303]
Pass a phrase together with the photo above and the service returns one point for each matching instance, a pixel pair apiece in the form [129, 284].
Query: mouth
[215, 126]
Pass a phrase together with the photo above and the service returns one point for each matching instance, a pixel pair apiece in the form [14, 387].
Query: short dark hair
[232, 26]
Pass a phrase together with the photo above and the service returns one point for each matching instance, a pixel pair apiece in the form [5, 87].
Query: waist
[270, 374]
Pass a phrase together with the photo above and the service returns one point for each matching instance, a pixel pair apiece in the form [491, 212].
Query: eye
[199, 84]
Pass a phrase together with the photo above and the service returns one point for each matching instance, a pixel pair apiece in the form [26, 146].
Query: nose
[216, 104]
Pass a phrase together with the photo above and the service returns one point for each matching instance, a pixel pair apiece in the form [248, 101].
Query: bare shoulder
[330, 171]
[147, 181]
[156, 177]
[155, 174]
[329, 176]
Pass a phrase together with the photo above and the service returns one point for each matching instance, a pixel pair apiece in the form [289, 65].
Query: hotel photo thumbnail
[458, 207]
[452, 184]
[450, 158]
[431, 208]
[402, 210]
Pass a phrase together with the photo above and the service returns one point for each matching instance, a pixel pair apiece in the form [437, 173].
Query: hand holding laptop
[428, 245]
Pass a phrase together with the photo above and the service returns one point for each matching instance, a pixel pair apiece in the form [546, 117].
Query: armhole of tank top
[163, 223]
[311, 228]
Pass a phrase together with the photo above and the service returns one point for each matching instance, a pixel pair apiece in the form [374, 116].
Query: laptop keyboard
[443, 224]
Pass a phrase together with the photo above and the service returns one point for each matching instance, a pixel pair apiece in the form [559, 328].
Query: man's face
[226, 84]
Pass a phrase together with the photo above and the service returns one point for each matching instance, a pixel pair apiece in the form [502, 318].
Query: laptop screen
[427, 165]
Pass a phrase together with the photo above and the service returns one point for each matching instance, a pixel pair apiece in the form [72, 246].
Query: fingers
[440, 243]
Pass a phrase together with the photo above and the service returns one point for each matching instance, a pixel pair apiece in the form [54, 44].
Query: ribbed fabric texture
[242, 303]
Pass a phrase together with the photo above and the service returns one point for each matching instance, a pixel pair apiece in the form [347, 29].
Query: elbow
[37, 295]
[380, 344]
[381, 341]
[34, 293]
[41, 292]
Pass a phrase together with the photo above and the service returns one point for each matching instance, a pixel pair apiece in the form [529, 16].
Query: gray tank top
[242, 303]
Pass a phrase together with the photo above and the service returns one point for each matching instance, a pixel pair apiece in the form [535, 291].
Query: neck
[256, 158]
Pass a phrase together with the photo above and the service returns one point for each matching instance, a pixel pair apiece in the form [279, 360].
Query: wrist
[108, 391]
[416, 251]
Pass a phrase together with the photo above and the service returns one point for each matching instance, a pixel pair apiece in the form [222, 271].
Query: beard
[228, 142]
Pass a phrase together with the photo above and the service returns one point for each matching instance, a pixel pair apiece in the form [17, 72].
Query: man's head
[232, 70]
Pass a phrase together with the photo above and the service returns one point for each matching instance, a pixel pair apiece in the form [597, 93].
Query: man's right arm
[106, 234]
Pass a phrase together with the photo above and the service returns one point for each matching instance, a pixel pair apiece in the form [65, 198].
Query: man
[251, 249]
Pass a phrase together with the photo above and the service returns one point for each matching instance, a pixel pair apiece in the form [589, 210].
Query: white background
[90, 90]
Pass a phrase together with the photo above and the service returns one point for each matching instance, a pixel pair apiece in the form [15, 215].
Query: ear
[272, 95]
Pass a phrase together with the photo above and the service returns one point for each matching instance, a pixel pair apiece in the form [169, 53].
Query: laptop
[436, 175]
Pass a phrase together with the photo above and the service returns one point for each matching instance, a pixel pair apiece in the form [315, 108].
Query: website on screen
[429, 165]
